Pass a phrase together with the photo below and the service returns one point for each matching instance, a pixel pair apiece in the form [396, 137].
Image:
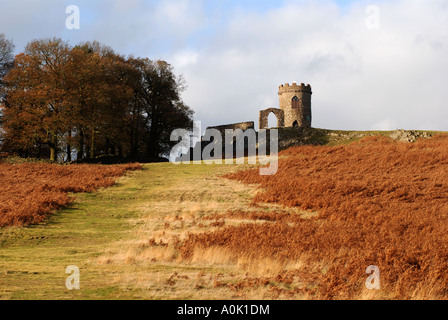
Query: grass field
[106, 234]
[31, 191]
[186, 232]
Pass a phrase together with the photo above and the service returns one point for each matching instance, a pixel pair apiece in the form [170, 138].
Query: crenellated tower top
[294, 87]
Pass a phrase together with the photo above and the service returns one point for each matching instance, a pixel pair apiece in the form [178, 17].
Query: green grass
[34, 259]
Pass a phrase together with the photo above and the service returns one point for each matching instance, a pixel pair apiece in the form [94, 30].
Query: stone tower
[295, 101]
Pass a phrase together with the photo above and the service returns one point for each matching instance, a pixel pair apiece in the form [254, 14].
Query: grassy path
[102, 233]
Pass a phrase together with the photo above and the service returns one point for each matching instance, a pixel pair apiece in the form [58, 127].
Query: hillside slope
[290, 137]
[378, 202]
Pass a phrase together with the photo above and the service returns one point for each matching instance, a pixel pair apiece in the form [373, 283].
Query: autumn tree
[6, 63]
[98, 94]
[91, 100]
[35, 112]
[159, 102]
[6, 56]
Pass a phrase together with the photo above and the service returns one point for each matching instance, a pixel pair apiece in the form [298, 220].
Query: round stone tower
[295, 101]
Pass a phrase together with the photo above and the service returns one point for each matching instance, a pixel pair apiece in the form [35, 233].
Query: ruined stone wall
[300, 116]
[264, 115]
[195, 153]
[234, 126]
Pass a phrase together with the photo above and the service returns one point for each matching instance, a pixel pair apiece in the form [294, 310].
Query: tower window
[295, 103]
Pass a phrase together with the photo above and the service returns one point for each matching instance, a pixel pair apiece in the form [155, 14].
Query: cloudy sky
[371, 64]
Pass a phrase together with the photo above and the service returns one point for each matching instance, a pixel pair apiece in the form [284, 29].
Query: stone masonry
[295, 107]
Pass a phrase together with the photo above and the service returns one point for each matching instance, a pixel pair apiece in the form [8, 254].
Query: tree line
[84, 102]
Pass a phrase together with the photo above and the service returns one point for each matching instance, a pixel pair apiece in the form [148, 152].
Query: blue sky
[215, 14]
[235, 53]
[44, 18]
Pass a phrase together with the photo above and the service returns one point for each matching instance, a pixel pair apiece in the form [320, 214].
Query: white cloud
[234, 59]
[359, 77]
[185, 59]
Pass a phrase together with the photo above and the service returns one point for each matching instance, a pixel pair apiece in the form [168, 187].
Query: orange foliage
[29, 192]
[379, 202]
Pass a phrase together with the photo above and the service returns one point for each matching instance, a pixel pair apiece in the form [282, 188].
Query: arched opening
[295, 124]
[272, 121]
[270, 118]
[295, 103]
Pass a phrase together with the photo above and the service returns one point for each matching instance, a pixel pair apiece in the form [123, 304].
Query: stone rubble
[409, 135]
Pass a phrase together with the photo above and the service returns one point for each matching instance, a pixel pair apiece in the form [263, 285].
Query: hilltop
[290, 137]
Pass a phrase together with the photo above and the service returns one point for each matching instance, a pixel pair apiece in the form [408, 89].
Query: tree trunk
[53, 151]
[80, 155]
[69, 147]
[92, 145]
[152, 147]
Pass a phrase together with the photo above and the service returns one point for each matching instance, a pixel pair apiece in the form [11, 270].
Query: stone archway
[264, 114]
